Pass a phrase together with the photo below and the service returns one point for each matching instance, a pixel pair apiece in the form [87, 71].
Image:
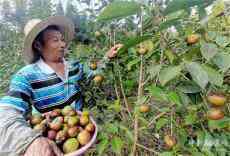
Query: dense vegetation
[167, 91]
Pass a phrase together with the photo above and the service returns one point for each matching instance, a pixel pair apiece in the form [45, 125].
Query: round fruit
[55, 125]
[65, 111]
[169, 141]
[142, 50]
[84, 120]
[85, 113]
[217, 100]
[40, 128]
[144, 108]
[90, 127]
[70, 145]
[98, 78]
[61, 136]
[84, 137]
[72, 121]
[73, 131]
[36, 119]
[51, 134]
[55, 113]
[93, 65]
[97, 33]
[192, 39]
[215, 114]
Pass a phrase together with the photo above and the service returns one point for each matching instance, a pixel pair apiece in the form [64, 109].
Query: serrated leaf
[169, 73]
[222, 60]
[214, 76]
[191, 118]
[116, 144]
[198, 74]
[208, 50]
[166, 154]
[119, 9]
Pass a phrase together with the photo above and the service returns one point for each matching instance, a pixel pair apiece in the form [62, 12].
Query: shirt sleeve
[19, 94]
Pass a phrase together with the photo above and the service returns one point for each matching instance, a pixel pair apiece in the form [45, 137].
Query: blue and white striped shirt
[38, 85]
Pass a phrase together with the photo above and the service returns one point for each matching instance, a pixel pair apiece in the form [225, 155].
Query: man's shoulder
[27, 69]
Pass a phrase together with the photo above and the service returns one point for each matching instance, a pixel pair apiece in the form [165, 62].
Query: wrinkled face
[54, 45]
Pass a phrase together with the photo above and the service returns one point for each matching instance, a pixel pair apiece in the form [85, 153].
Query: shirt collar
[44, 67]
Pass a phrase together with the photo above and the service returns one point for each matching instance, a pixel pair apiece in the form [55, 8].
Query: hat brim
[65, 24]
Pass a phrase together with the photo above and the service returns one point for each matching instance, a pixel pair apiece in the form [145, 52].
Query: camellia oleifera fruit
[98, 79]
[93, 65]
[169, 141]
[192, 39]
[83, 137]
[215, 114]
[217, 100]
[144, 108]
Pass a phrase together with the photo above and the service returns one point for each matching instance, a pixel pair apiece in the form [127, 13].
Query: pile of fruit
[66, 127]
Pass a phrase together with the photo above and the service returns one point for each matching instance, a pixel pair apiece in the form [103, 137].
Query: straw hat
[35, 26]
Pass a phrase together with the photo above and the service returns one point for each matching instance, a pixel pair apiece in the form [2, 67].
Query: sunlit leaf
[198, 74]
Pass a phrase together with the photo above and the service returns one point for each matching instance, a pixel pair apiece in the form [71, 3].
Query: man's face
[54, 45]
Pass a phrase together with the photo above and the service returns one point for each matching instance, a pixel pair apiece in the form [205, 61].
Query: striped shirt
[39, 85]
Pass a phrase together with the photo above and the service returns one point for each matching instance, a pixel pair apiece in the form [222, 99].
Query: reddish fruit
[51, 134]
[215, 114]
[90, 128]
[61, 136]
[55, 125]
[73, 131]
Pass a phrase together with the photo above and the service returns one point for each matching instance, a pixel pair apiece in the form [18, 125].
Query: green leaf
[222, 41]
[119, 9]
[153, 70]
[198, 74]
[218, 8]
[166, 154]
[117, 144]
[102, 146]
[222, 60]
[190, 119]
[208, 50]
[160, 123]
[169, 23]
[219, 124]
[133, 41]
[174, 98]
[132, 63]
[214, 76]
[169, 73]
[176, 5]
[111, 128]
[188, 87]
[129, 134]
[116, 106]
[157, 93]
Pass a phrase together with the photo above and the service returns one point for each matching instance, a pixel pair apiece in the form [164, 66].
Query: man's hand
[113, 51]
[43, 146]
